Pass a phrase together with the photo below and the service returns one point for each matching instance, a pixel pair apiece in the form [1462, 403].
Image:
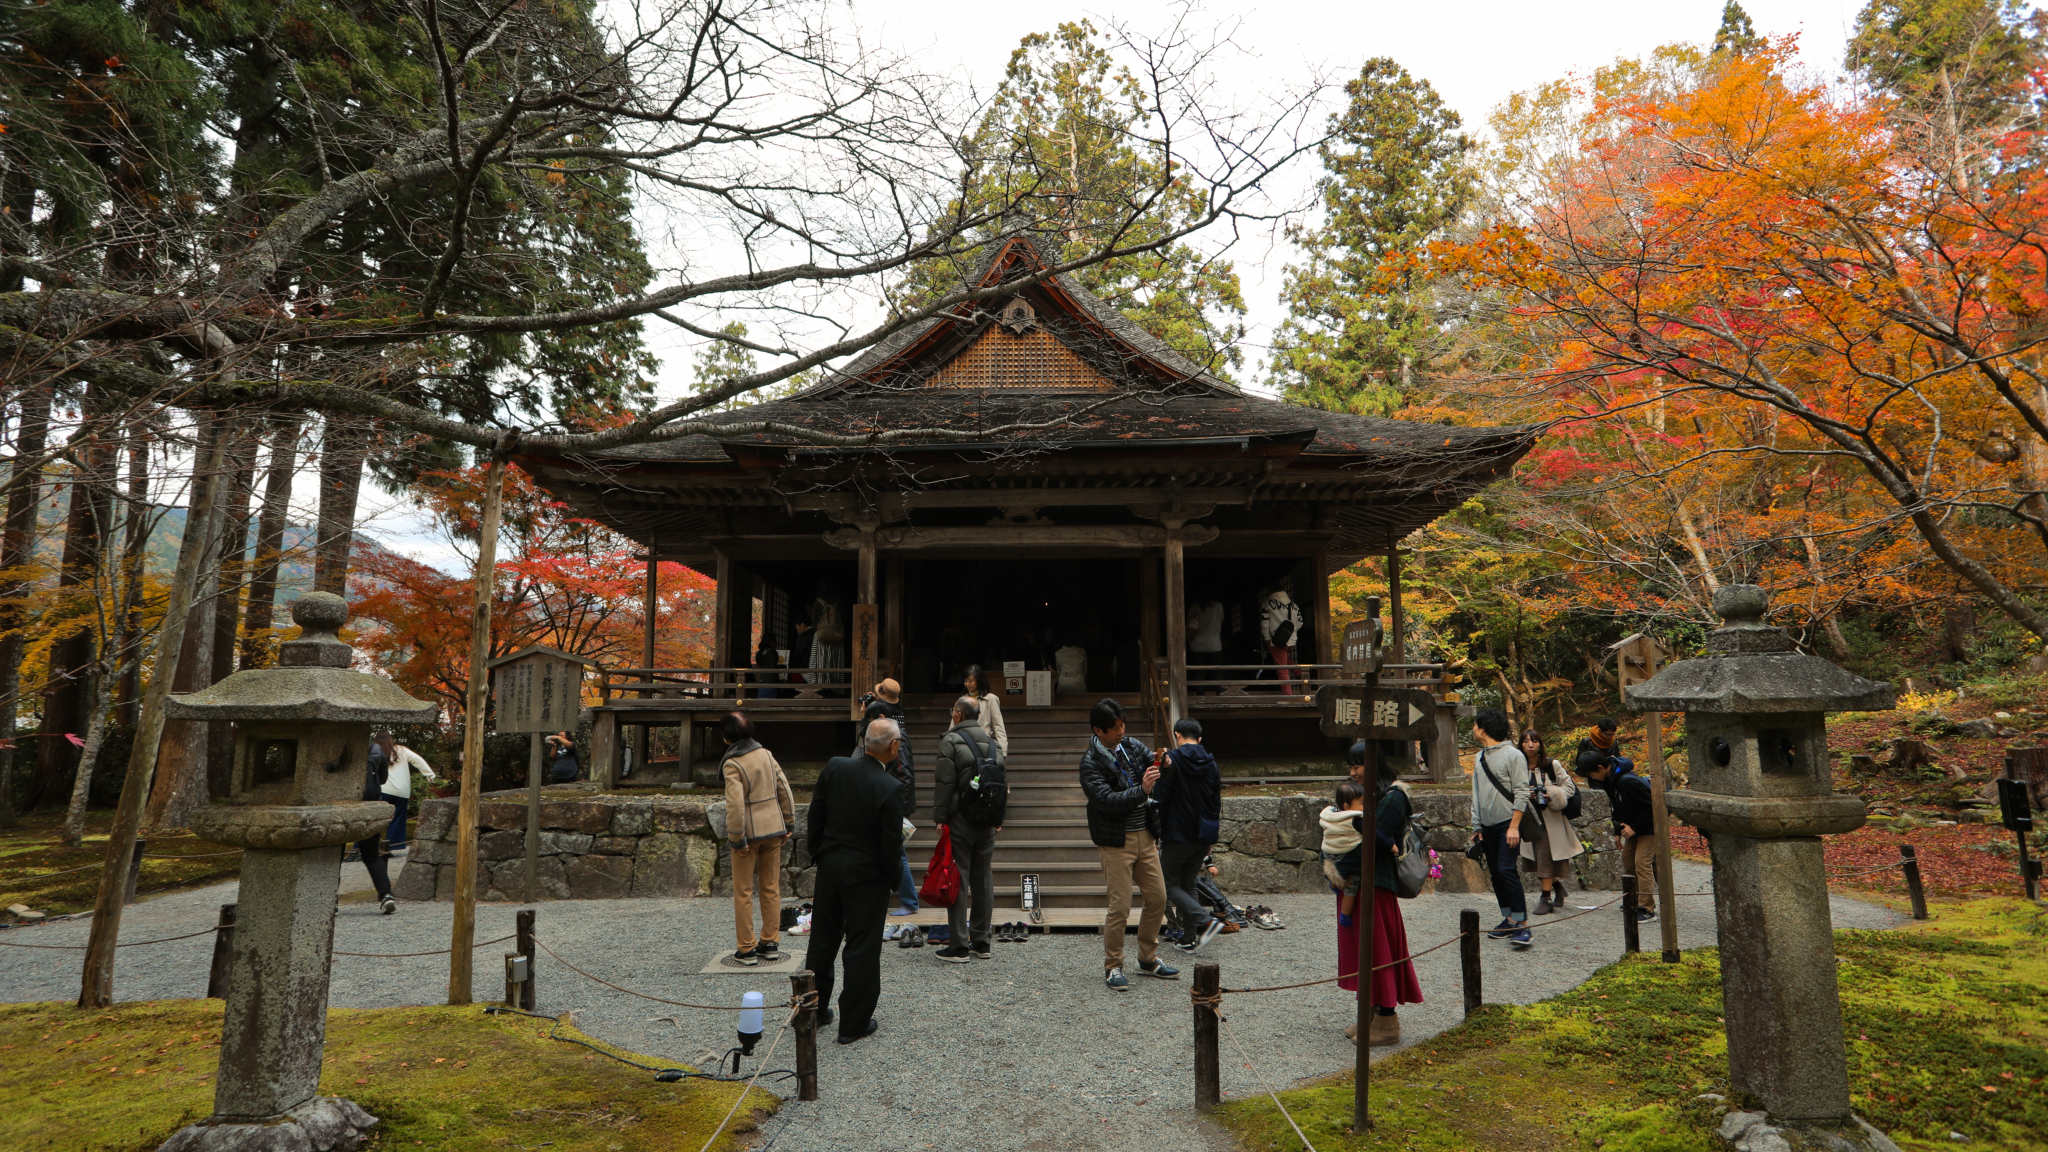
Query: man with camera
[856, 825]
[1500, 801]
[1118, 774]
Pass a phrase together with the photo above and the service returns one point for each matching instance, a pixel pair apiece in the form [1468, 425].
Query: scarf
[1604, 741]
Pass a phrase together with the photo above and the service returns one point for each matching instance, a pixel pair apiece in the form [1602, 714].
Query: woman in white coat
[1550, 854]
[991, 720]
[401, 762]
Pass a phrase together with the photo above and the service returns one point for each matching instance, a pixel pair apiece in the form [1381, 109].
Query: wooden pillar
[1397, 652]
[893, 624]
[650, 599]
[866, 580]
[1148, 608]
[604, 749]
[1324, 650]
[724, 606]
[1176, 608]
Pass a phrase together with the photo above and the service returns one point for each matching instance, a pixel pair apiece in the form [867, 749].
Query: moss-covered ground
[125, 1078]
[1945, 1020]
[37, 870]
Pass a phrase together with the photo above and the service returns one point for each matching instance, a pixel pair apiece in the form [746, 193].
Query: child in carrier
[1344, 843]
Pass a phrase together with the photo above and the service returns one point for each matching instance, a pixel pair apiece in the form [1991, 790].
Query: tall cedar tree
[1065, 136]
[1362, 321]
[1736, 34]
[1969, 58]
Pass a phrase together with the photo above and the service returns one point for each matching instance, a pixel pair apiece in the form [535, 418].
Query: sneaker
[388, 905]
[940, 934]
[1159, 968]
[912, 937]
[1007, 933]
[954, 954]
[1114, 977]
[745, 956]
[769, 951]
[1522, 940]
[1645, 915]
[980, 949]
[351, 856]
[892, 931]
[1502, 930]
[1212, 931]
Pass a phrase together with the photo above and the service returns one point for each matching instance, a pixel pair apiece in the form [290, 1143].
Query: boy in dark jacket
[1634, 820]
[1118, 775]
[1190, 799]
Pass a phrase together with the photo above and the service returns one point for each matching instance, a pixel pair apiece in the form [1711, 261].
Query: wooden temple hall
[1073, 490]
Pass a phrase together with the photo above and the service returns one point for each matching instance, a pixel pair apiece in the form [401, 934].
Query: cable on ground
[665, 1075]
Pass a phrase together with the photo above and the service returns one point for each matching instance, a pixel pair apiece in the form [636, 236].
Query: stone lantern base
[322, 1124]
[1758, 1132]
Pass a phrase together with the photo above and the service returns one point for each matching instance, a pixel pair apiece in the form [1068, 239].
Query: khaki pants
[758, 874]
[1639, 858]
[1139, 857]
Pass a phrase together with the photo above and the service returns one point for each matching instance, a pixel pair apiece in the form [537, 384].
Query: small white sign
[1013, 667]
[1038, 689]
[1013, 686]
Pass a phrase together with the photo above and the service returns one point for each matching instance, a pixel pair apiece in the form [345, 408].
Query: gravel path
[1074, 1065]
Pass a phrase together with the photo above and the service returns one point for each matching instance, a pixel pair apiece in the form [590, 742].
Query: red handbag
[942, 876]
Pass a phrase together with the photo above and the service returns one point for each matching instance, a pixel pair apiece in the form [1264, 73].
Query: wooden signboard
[864, 639]
[1361, 641]
[537, 690]
[1394, 713]
[1637, 658]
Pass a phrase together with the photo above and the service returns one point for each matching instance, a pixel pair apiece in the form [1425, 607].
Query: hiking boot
[1522, 940]
[1543, 906]
[745, 956]
[1502, 930]
[954, 954]
[1385, 1030]
[1159, 968]
[1114, 977]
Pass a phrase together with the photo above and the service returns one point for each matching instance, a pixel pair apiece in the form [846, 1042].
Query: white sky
[1475, 53]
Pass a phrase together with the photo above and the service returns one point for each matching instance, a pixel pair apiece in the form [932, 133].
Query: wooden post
[604, 750]
[803, 985]
[866, 569]
[722, 613]
[96, 980]
[1631, 933]
[2030, 767]
[1468, 957]
[223, 949]
[522, 943]
[1176, 605]
[1148, 610]
[893, 629]
[1397, 651]
[1638, 662]
[462, 926]
[1361, 1093]
[649, 600]
[1208, 1061]
[1909, 863]
[533, 770]
[1328, 647]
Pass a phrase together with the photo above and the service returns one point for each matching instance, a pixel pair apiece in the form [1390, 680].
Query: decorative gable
[1031, 358]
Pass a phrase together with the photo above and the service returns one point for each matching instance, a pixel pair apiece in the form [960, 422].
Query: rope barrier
[1893, 867]
[629, 991]
[1221, 1022]
[1575, 915]
[405, 955]
[127, 944]
[145, 856]
[749, 1089]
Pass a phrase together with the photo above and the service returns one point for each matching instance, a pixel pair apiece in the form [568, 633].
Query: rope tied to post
[124, 944]
[406, 955]
[628, 991]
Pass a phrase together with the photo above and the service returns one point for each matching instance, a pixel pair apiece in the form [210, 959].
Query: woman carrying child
[1343, 836]
[1550, 852]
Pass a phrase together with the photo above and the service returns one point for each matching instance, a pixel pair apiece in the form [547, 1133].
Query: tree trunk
[227, 603]
[141, 519]
[180, 782]
[343, 447]
[17, 536]
[258, 648]
[1959, 629]
[72, 659]
[81, 784]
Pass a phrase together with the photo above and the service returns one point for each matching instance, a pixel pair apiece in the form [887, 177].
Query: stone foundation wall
[1274, 843]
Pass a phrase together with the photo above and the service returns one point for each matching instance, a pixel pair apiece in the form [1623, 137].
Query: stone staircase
[1046, 830]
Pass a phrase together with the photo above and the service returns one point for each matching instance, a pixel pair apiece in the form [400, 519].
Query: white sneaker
[1214, 930]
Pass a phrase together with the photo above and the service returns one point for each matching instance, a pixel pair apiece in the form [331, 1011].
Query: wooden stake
[1208, 1060]
[1468, 957]
[96, 982]
[1910, 865]
[1631, 932]
[522, 943]
[462, 928]
[802, 985]
[1666, 879]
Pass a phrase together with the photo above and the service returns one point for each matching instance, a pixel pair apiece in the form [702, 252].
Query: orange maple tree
[567, 583]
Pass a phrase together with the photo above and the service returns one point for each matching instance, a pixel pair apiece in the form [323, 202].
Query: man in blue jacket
[1118, 775]
[1634, 820]
[1190, 799]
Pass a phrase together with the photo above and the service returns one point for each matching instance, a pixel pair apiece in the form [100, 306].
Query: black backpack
[985, 794]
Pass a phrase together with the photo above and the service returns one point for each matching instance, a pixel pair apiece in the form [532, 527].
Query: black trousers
[372, 851]
[1500, 862]
[851, 911]
[1182, 864]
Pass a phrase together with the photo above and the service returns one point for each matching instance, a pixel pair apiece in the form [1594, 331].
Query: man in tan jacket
[759, 810]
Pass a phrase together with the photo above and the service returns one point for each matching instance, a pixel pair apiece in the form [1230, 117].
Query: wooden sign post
[865, 636]
[536, 690]
[1637, 657]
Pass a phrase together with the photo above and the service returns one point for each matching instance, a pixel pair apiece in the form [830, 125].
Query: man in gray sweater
[1500, 800]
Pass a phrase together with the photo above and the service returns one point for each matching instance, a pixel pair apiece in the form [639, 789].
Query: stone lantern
[1762, 788]
[302, 735]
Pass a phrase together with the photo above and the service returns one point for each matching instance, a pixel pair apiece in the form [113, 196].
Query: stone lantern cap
[313, 681]
[1752, 668]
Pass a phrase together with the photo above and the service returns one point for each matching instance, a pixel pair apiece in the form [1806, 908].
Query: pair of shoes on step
[1013, 932]
[910, 937]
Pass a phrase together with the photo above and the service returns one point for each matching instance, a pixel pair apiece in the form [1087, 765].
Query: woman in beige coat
[759, 810]
[991, 707]
[1550, 855]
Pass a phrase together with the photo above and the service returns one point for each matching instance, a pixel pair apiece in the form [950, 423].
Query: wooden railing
[1213, 685]
[659, 684]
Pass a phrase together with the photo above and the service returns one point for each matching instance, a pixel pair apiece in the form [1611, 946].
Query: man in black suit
[856, 840]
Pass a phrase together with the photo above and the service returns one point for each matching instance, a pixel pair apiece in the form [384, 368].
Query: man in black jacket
[1634, 820]
[1190, 798]
[1118, 775]
[856, 838]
